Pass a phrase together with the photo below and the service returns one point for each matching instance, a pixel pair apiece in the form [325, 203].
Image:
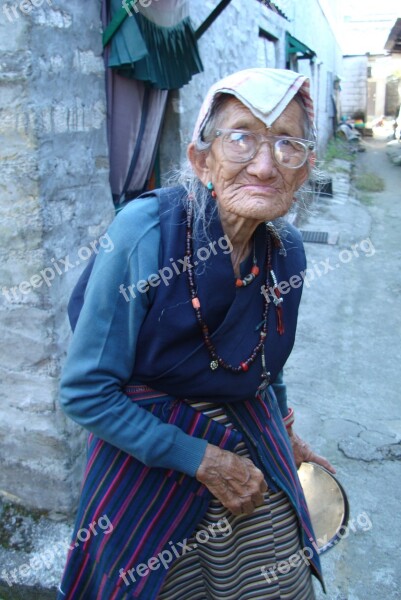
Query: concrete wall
[368, 93]
[54, 200]
[354, 84]
[384, 69]
[233, 43]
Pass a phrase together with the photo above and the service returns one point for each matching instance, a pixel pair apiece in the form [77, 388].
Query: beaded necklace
[217, 360]
[248, 279]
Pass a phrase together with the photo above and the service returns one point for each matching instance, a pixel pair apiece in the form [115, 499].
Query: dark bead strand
[216, 360]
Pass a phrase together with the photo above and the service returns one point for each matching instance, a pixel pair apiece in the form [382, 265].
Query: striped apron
[154, 511]
[257, 556]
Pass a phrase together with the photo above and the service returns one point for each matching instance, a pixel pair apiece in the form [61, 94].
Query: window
[267, 50]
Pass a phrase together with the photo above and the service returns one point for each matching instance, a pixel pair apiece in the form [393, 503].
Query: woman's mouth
[260, 188]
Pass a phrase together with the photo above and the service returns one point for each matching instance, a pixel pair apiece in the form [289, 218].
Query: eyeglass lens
[243, 146]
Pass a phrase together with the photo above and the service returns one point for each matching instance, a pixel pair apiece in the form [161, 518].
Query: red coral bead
[244, 366]
[255, 270]
[238, 282]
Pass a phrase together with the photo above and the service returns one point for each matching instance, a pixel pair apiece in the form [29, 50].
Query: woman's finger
[304, 453]
[258, 499]
[248, 507]
[320, 460]
[263, 486]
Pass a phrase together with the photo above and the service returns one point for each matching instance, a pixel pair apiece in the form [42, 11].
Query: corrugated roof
[393, 43]
[274, 8]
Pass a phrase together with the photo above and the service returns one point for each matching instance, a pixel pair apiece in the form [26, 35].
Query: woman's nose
[263, 163]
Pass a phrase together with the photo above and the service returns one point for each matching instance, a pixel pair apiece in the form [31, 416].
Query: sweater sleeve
[280, 390]
[102, 351]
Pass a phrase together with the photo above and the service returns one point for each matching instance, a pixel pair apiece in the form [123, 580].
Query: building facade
[371, 85]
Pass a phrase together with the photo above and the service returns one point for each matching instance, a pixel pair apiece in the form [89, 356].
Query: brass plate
[327, 503]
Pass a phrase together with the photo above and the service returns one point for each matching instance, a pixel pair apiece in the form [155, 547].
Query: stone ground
[343, 379]
[344, 374]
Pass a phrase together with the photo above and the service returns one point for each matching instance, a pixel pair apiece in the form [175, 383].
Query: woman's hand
[233, 480]
[304, 453]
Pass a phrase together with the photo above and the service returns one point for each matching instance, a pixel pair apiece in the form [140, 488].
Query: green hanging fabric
[114, 24]
[164, 56]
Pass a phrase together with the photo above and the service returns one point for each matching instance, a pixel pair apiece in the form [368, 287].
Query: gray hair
[200, 194]
[200, 198]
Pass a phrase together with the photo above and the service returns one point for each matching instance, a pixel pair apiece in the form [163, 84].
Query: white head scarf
[265, 92]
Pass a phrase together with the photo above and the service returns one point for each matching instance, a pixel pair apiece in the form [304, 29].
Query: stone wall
[54, 201]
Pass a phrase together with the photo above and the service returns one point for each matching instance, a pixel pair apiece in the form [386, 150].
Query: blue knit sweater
[104, 346]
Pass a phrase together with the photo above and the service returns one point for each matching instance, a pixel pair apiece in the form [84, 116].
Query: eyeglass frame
[309, 145]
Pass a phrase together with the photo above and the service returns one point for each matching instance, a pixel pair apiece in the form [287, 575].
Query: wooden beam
[211, 18]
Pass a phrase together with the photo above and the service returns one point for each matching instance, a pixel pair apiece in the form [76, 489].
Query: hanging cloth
[155, 44]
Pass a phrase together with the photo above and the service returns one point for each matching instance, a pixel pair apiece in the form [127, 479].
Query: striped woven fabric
[245, 557]
[152, 511]
[270, 449]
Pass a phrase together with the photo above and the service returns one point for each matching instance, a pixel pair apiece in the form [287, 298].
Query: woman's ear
[198, 162]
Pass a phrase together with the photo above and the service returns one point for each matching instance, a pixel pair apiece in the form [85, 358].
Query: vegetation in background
[341, 149]
[365, 198]
[369, 182]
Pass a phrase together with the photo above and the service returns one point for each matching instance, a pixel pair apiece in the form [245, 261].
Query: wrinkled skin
[232, 479]
[304, 453]
[254, 192]
[248, 194]
[235, 480]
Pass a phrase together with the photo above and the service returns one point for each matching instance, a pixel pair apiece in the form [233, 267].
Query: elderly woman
[183, 334]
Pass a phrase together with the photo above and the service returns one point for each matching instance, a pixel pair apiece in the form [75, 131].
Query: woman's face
[260, 189]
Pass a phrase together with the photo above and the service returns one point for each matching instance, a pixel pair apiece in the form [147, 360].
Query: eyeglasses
[242, 146]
